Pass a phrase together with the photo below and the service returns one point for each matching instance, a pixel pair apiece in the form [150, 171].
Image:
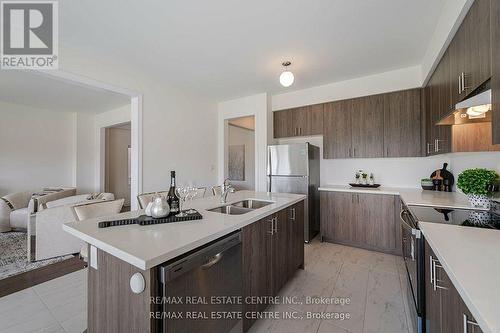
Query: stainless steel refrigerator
[294, 168]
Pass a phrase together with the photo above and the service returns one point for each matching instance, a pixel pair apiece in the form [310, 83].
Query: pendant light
[286, 78]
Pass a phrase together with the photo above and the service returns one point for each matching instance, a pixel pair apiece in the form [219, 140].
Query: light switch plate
[93, 257]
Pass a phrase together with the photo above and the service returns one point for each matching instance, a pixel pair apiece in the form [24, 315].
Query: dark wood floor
[32, 278]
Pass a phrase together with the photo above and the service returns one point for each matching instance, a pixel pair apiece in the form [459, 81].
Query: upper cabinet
[402, 123]
[495, 67]
[438, 103]
[470, 51]
[367, 123]
[386, 125]
[337, 129]
[302, 121]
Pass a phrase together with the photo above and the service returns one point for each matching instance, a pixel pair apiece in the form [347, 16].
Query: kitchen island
[271, 251]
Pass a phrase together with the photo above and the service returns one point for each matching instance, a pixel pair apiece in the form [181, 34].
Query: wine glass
[181, 193]
[192, 191]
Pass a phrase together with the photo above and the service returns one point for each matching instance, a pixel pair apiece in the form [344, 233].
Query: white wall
[400, 79]
[85, 153]
[36, 148]
[246, 137]
[179, 130]
[258, 106]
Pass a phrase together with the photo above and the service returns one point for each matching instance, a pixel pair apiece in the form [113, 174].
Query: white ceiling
[229, 48]
[40, 91]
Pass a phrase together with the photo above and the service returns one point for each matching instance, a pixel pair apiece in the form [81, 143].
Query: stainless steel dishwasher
[202, 290]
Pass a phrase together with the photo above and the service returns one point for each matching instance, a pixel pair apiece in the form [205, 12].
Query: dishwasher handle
[204, 258]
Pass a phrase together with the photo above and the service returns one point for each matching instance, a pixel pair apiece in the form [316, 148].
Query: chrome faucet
[225, 189]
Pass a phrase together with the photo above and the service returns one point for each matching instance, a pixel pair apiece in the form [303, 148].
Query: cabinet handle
[354, 152]
[429, 148]
[468, 322]
[387, 151]
[463, 82]
[434, 278]
[272, 227]
[349, 152]
[357, 197]
[459, 85]
[300, 130]
[275, 225]
[293, 214]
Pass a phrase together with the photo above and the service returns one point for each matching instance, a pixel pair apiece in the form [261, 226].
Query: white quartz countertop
[411, 196]
[470, 257]
[149, 246]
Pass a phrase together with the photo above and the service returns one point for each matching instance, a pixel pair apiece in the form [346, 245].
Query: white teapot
[158, 207]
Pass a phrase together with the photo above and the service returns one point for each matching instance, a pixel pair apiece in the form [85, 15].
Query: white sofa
[45, 227]
[16, 208]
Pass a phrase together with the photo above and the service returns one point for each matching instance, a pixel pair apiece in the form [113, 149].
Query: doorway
[240, 161]
[117, 162]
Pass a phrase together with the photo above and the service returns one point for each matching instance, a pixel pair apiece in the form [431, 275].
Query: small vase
[479, 201]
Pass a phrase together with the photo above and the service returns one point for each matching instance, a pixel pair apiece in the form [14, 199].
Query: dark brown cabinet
[402, 124]
[385, 125]
[495, 68]
[302, 121]
[438, 103]
[445, 310]
[363, 220]
[337, 129]
[470, 52]
[367, 123]
[272, 250]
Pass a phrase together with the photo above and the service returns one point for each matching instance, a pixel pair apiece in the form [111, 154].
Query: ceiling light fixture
[286, 78]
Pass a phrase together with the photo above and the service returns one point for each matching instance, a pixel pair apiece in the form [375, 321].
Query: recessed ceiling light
[286, 78]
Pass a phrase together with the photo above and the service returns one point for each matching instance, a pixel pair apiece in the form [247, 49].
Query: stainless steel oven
[413, 254]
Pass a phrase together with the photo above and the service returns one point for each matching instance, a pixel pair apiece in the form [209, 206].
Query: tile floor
[58, 305]
[372, 281]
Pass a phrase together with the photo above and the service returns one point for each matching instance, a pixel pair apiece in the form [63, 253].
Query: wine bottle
[172, 199]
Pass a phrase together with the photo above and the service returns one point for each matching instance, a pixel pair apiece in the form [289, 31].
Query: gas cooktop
[460, 217]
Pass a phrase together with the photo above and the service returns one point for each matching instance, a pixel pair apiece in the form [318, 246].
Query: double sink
[241, 207]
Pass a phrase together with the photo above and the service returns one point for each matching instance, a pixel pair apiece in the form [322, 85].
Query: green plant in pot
[475, 183]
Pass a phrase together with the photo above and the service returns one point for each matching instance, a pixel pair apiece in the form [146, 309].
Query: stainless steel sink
[231, 210]
[252, 204]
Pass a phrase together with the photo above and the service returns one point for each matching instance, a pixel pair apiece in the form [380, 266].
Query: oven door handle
[415, 232]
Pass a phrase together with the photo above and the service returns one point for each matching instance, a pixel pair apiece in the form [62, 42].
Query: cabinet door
[479, 47]
[402, 124]
[495, 79]
[336, 219]
[315, 120]
[376, 225]
[295, 216]
[443, 143]
[368, 126]
[281, 257]
[256, 265]
[282, 123]
[433, 306]
[458, 52]
[337, 140]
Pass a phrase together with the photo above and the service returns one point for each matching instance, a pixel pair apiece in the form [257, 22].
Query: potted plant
[476, 184]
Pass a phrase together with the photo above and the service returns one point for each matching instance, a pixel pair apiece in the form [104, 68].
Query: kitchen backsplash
[397, 172]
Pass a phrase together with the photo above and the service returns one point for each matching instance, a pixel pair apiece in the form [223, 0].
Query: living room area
[66, 155]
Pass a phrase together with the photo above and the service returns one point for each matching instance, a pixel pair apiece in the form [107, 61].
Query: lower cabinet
[369, 221]
[272, 250]
[445, 311]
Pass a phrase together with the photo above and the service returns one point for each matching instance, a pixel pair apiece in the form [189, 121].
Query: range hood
[471, 110]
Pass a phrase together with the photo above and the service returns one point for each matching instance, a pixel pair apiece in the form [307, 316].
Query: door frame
[136, 105]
